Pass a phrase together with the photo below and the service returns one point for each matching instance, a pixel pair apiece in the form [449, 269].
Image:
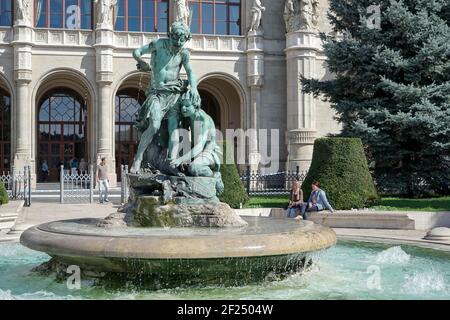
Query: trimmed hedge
[3, 194]
[340, 165]
[234, 193]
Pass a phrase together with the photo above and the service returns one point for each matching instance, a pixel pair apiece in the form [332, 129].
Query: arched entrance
[224, 100]
[62, 130]
[211, 106]
[128, 100]
[5, 131]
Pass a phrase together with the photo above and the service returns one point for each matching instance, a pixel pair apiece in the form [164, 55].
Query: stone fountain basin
[266, 246]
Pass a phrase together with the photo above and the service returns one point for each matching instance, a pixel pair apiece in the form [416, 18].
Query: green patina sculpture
[203, 159]
[166, 87]
[171, 105]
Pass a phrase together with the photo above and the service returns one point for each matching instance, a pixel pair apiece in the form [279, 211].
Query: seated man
[203, 159]
[317, 201]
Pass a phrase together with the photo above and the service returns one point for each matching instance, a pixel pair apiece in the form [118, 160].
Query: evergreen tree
[392, 89]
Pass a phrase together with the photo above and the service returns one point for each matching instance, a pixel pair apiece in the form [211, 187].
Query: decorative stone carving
[105, 12]
[301, 15]
[182, 12]
[23, 12]
[302, 136]
[257, 10]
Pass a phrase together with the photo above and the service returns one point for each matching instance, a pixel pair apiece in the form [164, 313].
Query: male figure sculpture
[167, 58]
[23, 11]
[289, 12]
[257, 10]
[104, 11]
[182, 12]
[309, 14]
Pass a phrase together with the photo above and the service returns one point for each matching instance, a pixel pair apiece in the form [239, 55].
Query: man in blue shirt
[317, 201]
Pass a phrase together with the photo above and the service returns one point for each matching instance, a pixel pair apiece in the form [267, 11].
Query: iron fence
[266, 184]
[255, 182]
[77, 187]
[18, 184]
[124, 191]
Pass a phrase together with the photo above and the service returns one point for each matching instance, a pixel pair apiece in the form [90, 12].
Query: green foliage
[3, 195]
[392, 89]
[268, 201]
[234, 194]
[400, 204]
[339, 164]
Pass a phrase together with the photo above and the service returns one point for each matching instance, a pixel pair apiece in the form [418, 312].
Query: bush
[340, 165]
[234, 193]
[3, 194]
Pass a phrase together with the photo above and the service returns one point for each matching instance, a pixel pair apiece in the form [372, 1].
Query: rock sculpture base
[158, 200]
[150, 211]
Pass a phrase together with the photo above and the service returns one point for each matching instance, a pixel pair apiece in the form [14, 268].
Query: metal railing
[255, 182]
[76, 187]
[264, 184]
[18, 184]
[124, 191]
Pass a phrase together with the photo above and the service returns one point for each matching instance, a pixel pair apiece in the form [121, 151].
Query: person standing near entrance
[73, 166]
[44, 170]
[83, 166]
[102, 180]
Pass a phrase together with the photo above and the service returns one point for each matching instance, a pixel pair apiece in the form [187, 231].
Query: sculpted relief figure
[104, 11]
[257, 10]
[182, 12]
[23, 9]
[289, 14]
[301, 15]
[309, 15]
[165, 88]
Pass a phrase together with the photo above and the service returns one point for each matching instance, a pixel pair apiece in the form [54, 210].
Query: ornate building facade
[69, 86]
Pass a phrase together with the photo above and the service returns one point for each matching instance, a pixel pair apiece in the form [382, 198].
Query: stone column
[22, 77]
[255, 80]
[105, 104]
[301, 49]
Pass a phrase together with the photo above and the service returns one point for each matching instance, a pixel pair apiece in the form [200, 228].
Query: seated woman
[295, 200]
[317, 201]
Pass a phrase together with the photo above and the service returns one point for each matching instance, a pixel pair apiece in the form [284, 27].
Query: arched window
[6, 13]
[142, 15]
[62, 129]
[216, 16]
[211, 106]
[63, 14]
[128, 102]
[5, 131]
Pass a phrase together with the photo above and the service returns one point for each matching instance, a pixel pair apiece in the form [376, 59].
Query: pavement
[39, 213]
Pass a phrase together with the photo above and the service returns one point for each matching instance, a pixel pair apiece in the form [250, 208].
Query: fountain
[174, 228]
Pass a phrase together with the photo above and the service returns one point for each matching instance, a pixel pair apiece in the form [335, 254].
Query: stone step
[345, 219]
[363, 220]
[9, 213]
[7, 220]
